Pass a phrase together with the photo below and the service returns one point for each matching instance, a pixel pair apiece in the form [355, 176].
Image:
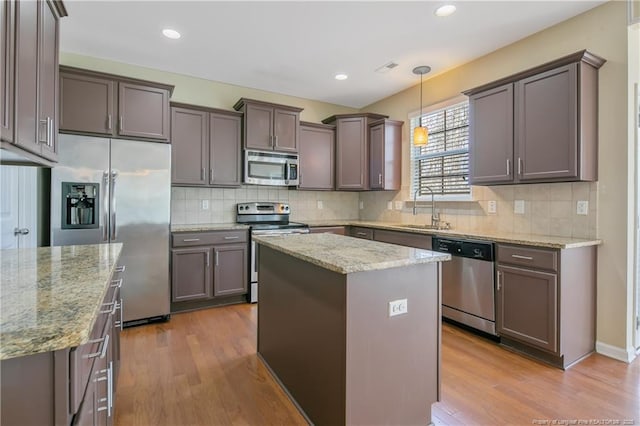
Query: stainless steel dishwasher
[468, 282]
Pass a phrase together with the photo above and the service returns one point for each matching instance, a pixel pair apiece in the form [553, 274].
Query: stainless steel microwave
[270, 168]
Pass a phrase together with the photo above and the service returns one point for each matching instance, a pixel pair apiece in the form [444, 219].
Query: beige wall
[603, 31]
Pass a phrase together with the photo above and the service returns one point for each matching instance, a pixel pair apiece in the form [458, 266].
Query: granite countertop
[498, 237]
[346, 255]
[202, 227]
[50, 296]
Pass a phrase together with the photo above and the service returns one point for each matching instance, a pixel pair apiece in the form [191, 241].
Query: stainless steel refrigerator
[113, 190]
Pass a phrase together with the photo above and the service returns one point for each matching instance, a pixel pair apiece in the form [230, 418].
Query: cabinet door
[7, 22]
[286, 124]
[231, 266]
[225, 150]
[144, 111]
[376, 156]
[190, 142]
[258, 127]
[491, 136]
[527, 308]
[351, 154]
[547, 125]
[48, 81]
[26, 75]
[316, 156]
[87, 104]
[87, 415]
[190, 274]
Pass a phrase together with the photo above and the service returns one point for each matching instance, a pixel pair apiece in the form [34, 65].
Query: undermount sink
[432, 227]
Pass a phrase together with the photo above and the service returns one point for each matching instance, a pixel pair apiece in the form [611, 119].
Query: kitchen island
[350, 327]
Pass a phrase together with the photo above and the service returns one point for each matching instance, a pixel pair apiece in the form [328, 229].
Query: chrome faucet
[435, 216]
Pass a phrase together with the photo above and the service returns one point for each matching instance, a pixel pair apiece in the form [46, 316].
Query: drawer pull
[518, 256]
[364, 234]
[111, 310]
[231, 238]
[190, 240]
[103, 352]
[116, 283]
[121, 268]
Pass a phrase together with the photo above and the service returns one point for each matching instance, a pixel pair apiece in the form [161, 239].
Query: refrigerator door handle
[105, 203]
[114, 175]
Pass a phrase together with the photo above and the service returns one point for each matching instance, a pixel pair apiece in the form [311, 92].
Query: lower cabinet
[207, 268]
[407, 239]
[360, 232]
[339, 230]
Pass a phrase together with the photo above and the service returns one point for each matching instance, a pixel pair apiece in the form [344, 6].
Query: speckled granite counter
[498, 237]
[207, 227]
[50, 296]
[346, 255]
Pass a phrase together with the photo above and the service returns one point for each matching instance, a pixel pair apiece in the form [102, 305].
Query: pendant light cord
[421, 74]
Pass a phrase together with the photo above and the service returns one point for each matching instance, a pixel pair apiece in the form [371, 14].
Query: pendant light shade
[421, 133]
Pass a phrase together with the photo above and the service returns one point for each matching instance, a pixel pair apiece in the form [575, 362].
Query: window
[443, 164]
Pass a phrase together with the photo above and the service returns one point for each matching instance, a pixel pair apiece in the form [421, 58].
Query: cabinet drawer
[358, 232]
[189, 239]
[340, 230]
[530, 257]
[403, 239]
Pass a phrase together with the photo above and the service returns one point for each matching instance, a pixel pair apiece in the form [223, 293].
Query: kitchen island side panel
[392, 369]
[301, 332]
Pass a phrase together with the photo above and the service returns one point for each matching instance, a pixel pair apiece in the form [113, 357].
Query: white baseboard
[615, 352]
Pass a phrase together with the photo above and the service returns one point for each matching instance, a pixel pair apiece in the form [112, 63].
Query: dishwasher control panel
[481, 250]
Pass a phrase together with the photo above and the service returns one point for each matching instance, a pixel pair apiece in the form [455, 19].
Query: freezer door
[139, 216]
[81, 159]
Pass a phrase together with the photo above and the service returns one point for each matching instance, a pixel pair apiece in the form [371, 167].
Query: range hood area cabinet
[352, 149]
[94, 103]
[206, 146]
[29, 45]
[269, 127]
[539, 125]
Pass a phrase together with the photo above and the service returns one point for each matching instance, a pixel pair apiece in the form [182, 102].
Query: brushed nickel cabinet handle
[499, 278]
[379, 178]
[364, 234]
[207, 259]
[508, 167]
[49, 131]
[116, 283]
[121, 268]
[108, 121]
[103, 351]
[275, 140]
[519, 166]
[231, 238]
[211, 174]
[190, 240]
[518, 256]
[217, 259]
[121, 124]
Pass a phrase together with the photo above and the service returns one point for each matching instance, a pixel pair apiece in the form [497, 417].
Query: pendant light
[421, 133]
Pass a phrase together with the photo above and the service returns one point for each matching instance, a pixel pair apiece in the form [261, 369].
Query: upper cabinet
[269, 126]
[385, 154]
[539, 125]
[29, 43]
[352, 149]
[206, 146]
[102, 104]
[317, 156]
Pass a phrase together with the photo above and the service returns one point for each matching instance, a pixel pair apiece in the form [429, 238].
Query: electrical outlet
[518, 207]
[397, 307]
[398, 205]
[320, 205]
[492, 207]
[389, 205]
[582, 208]
[361, 205]
[205, 204]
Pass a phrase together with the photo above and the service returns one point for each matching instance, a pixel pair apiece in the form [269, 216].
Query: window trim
[425, 111]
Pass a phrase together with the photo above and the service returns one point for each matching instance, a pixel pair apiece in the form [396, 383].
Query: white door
[18, 207]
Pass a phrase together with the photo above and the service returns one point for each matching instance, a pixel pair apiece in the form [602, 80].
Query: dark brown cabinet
[208, 268]
[360, 232]
[385, 154]
[338, 230]
[407, 239]
[352, 149]
[109, 105]
[269, 126]
[48, 81]
[545, 301]
[316, 150]
[206, 147]
[539, 125]
[7, 49]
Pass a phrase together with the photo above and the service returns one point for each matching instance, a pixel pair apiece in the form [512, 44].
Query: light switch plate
[518, 206]
[205, 204]
[389, 205]
[398, 205]
[492, 207]
[398, 307]
[320, 205]
[582, 208]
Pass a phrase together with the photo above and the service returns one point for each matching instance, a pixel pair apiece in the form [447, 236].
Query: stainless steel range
[265, 218]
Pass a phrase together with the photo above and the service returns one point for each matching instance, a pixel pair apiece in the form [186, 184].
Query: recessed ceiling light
[445, 10]
[341, 76]
[169, 33]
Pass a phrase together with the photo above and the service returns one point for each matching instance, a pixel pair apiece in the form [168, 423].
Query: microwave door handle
[286, 171]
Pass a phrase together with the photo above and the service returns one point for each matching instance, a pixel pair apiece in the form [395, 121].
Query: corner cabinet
[208, 268]
[539, 125]
[352, 149]
[385, 155]
[317, 156]
[545, 301]
[103, 104]
[206, 147]
[269, 127]
[29, 43]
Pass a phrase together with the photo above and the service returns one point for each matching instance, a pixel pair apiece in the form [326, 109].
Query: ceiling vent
[387, 67]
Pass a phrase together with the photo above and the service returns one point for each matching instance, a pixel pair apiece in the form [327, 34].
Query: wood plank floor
[201, 368]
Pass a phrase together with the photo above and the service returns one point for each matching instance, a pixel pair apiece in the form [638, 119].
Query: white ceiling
[296, 47]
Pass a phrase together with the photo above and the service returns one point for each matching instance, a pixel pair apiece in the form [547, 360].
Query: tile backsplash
[549, 209]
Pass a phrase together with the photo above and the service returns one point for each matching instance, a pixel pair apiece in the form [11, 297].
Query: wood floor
[201, 368]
